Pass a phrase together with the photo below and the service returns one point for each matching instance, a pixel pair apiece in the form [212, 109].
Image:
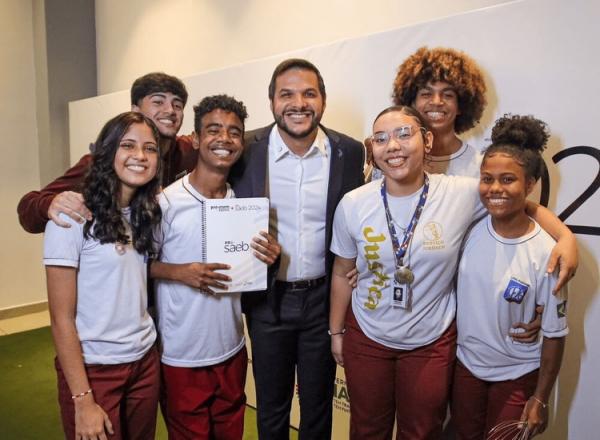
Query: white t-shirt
[112, 320]
[360, 230]
[490, 268]
[196, 329]
[465, 162]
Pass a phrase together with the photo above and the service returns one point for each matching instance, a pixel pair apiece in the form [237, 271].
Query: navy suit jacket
[249, 179]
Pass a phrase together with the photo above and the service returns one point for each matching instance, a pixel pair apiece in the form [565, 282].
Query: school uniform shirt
[500, 281]
[112, 319]
[465, 162]
[197, 329]
[360, 231]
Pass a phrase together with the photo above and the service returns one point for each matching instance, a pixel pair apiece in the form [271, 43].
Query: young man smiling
[304, 169]
[158, 96]
[448, 89]
[204, 357]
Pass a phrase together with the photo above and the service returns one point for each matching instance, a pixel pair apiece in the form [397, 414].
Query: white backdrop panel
[539, 57]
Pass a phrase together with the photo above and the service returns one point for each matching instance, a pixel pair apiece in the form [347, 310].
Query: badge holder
[401, 295]
[402, 292]
[403, 276]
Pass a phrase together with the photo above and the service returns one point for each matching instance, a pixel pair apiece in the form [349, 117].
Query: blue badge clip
[515, 291]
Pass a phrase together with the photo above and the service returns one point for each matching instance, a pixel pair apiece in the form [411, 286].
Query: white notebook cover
[230, 226]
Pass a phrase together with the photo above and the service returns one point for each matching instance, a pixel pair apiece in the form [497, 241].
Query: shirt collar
[279, 149]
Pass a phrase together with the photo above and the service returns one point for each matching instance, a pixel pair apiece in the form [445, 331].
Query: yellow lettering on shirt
[379, 281]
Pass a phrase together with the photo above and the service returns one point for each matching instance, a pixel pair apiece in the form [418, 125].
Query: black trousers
[297, 343]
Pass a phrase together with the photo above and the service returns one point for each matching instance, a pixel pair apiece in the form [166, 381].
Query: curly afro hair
[447, 65]
[522, 137]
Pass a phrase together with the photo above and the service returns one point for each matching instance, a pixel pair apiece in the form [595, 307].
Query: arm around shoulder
[565, 253]
[33, 206]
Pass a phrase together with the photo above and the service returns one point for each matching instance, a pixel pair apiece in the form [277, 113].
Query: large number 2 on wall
[590, 190]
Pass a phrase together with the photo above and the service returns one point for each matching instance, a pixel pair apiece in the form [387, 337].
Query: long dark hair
[101, 191]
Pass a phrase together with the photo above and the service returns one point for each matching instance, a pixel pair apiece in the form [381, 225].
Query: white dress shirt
[298, 194]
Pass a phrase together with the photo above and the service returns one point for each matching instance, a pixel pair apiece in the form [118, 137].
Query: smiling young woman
[502, 278]
[397, 339]
[107, 364]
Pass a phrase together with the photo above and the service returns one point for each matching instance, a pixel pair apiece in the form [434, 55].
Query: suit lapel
[258, 162]
[336, 172]
[260, 165]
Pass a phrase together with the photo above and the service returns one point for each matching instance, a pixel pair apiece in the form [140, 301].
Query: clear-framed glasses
[401, 134]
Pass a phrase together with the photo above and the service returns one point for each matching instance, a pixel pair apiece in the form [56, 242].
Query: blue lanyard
[400, 249]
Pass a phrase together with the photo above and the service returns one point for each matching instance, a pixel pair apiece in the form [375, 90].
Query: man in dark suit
[304, 169]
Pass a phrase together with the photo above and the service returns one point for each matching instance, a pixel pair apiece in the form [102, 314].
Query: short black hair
[157, 82]
[218, 102]
[295, 63]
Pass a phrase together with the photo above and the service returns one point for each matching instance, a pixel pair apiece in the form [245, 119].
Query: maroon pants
[206, 402]
[478, 405]
[128, 393]
[385, 384]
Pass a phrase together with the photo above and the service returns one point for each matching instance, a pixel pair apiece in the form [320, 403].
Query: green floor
[28, 407]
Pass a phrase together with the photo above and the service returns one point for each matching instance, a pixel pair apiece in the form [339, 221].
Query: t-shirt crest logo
[515, 291]
[433, 236]
[561, 309]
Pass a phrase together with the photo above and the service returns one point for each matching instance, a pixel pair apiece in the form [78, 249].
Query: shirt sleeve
[343, 243]
[33, 207]
[467, 190]
[554, 318]
[161, 231]
[473, 187]
[62, 246]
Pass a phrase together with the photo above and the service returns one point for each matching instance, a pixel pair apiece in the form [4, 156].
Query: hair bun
[525, 132]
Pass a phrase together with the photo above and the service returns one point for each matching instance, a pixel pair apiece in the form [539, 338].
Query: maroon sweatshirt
[33, 207]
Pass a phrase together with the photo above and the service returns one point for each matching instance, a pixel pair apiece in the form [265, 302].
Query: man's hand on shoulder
[71, 204]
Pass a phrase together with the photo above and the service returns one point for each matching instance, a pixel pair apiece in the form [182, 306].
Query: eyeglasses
[401, 134]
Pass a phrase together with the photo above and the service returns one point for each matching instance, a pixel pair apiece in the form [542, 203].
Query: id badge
[401, 295]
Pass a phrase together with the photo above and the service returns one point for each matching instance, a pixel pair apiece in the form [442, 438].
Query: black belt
[300, 284]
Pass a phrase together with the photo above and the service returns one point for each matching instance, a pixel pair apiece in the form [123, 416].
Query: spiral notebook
[230, 226]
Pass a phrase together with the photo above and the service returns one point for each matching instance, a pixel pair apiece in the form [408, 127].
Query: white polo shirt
[490, 268]
[196, 329]
[112, 320]
[361, 231]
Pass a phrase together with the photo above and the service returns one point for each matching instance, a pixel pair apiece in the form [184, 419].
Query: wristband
[77, 396]
[341, 332]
